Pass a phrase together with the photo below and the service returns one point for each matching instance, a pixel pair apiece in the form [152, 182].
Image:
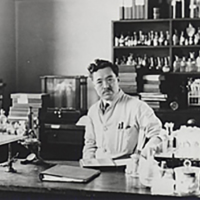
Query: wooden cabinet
[60, 137]
[62, 141]
[167, 47]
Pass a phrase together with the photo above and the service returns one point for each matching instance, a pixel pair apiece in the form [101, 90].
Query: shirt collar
[116, 97]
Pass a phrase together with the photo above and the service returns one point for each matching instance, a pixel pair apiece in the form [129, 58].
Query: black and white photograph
[99, 99]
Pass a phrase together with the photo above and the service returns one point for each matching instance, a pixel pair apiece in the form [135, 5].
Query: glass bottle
[167, 37]
[134, 38]
[129, 60]
[161, 38]
[166, 67]
[182, 38]
[151, 66]
[141, 38]
[121, 40]
[144, 61]
[198, 62]
[145, 40]
[190, 32]
[183, 64]
[128, 40]
[149, 39]
[176, 64]
[186, 41]
[155, 39]
[152, 37]
[159, 66]
[196, 38]
[148, 169]
[193, 61]
[116, 41]
[188, 65]
[175, 38]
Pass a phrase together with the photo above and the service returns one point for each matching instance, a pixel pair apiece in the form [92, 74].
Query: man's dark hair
[101, 64]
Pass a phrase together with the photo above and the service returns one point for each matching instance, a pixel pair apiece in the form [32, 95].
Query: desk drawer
[64, 137]
[64, 134]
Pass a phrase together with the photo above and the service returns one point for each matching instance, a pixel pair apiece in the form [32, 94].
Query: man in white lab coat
[118, 124]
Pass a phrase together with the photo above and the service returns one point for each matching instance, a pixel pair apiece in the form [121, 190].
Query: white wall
[88, 35]
[81, 31]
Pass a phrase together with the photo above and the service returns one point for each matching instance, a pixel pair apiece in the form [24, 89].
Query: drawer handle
[55, 126]
[55, 135]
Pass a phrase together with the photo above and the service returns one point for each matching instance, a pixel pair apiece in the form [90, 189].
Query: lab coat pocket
[127, 139]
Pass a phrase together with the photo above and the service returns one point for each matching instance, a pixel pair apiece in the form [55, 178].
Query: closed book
[126, 68]
[157, 82]
[146, 9]
[153, 99]
[28, 95]
[23, 109]
[133, 9]
[128, 88]
[26, 105]
[17, 118]
[150, 94]
[103, 162]
[127, 77]
[151, 88]
[153, 77]
[67, 173]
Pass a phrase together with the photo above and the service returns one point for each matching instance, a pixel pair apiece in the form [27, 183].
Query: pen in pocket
[121, 125]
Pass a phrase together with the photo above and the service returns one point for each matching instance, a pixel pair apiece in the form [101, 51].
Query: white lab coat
[115, 133]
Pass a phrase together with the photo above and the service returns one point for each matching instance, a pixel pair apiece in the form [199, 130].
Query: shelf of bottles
[166, 38]
[185, 46]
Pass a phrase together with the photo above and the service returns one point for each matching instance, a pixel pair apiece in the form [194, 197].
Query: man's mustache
[107, 90]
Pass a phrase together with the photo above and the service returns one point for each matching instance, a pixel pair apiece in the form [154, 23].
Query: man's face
[106, 83]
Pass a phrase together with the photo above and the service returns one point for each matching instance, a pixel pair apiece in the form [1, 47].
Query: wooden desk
[25, 184]
[7, 139]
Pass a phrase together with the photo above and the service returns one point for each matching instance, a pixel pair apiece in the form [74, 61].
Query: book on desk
[104, 163]
[67, 173]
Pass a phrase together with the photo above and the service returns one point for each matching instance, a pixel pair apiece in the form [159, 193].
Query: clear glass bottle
[198, 62]
[190, 32]
[161, 38]
[183, 64]
[155, 39]
[182, 38]
[167, 38]
[196, 38]
[166, 67]
[193, 61]
[135, 38]
[188, 65]
[175, 38]
[151, 66]
[176, 64]
[121, 40]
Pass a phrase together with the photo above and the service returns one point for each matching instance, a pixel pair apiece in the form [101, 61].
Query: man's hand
[152, 146]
